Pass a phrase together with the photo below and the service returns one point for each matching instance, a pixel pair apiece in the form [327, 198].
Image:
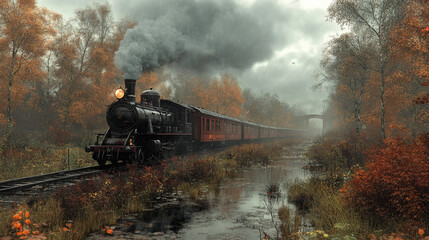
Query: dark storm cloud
[203, 36]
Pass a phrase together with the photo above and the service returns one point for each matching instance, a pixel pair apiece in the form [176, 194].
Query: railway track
[12, 185]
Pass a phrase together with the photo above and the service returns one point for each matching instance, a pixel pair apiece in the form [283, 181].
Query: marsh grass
[331, 213]
[100, 202]
[327, 210]
[89, 220]
[17, 163]
[5, 220]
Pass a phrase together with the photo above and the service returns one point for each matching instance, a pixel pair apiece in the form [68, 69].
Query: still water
[241, 208]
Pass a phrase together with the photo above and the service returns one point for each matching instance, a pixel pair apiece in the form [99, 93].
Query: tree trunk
[414, 122]
[383, 81]
[9, 124]
[357, 117]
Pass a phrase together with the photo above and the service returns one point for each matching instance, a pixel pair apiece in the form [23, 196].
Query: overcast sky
[270, 46]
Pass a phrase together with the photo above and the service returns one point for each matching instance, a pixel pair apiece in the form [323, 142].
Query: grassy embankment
[29, 161]
[361, 191]
[74, 211]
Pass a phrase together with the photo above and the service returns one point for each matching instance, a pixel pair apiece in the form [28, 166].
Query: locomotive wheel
[101, 159]
[139, 157]
[115, 159]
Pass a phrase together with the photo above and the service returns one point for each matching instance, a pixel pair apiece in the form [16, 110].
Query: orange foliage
[25, 28]
[218, 95]
[394, 182]
[151, 80]
[411, 46]
[85, 68]
[225, 96]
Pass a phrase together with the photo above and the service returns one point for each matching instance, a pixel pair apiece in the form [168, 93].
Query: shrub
[192, 169]
[336, 150]
[394, 183]
[301, 194]
[326, 208]
[247, 154]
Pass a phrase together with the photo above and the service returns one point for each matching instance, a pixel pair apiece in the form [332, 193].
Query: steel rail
[26, 182]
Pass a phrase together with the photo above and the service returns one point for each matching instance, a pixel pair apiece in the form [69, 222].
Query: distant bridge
[307, 118]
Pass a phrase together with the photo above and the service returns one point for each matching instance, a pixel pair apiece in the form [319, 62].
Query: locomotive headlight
[119, 93]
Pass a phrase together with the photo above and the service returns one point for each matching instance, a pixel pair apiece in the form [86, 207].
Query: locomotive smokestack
[130, 85]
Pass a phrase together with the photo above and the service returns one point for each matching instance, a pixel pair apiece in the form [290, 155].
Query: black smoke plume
[199, 35]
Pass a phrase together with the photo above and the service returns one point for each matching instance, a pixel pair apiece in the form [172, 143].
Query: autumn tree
[190, 89]
[85, 70]
[226, 96]
[154, 80]
[25, 30]
[218, 95]
[267, 109]
[347, 62]
[378, 18]
[411, 51]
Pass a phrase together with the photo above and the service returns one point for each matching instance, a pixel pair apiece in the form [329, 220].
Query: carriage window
[188, 116]
[208, 125]
[203, 122]
[212, 125]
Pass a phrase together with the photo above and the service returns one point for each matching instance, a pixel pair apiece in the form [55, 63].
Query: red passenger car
[250, 131]
[214, 127]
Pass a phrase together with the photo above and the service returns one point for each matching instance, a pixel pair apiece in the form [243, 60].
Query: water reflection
[242, 208]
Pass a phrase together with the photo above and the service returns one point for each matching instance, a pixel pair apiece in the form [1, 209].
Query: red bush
[394, 183]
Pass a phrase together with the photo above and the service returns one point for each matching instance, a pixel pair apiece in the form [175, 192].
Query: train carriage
[264, 132]
[215, 127]
[250, 131]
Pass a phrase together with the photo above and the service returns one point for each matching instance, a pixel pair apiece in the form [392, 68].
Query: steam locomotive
[153, 128]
